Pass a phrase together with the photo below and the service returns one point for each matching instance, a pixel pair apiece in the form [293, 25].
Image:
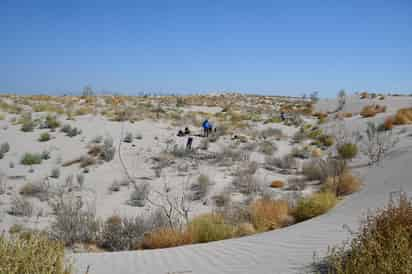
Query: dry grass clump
[38, 189]
[372, 110]
[314, 205]
[382, 246]
[267, 214]
[344, 184]
[33, 254]
[277, 184]
[403, 116]
[166, 237]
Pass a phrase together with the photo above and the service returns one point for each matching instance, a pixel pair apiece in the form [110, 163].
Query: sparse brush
[200, 188]
[122, 233]
[267, 148]
[34, 254]
[20, 206]
[37, 189]
[139, 195]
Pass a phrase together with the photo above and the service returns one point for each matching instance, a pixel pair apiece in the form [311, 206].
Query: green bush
[31, 159]
[52, 122]
[33, 254]
[44, 137]
[314, 205]
[210, 227]
[348, 151]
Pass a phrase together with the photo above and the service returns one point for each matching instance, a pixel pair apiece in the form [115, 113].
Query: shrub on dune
[210, 227]
[403, 116]
[382, 246]
[166, 237]
[314, 205]
[267, 214]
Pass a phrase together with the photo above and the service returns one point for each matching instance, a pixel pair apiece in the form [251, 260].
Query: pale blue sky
[276, 47]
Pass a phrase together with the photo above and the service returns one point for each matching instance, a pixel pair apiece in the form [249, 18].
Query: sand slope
[288, 250]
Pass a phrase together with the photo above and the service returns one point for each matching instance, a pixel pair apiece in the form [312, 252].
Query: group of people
[207, 129]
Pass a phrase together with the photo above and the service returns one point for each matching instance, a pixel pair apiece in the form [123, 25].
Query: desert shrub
[45, 155]
[347, 151]
[277, 184]
[267, 147]
[344, 184]
[286, 162]
[33, 254]
[51, 122]
[244, 181]
[66, 128]
[209, 227]
[139, 195]
[200, 188]
[267, 214]
[320, 169]
[383, 244]
[20, 206]
[403, 116]
[128, 138]
[55, 173]
[37, 189]
[122, 233]
[327, 140]
[97, 139]
[31, 159]
[372, 110]
[28, 125]
[114, 187]
[80, 179]
[244, 229]
[73, 223]
[314, 205]
[314, 133]
[166, 237]
[44, 137]
[4, 148]
[109, 150]
[271, 133]
[74, 132]
[376, 143]
[301, 152]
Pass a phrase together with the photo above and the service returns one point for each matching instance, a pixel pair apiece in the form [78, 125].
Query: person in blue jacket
[206, 126]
